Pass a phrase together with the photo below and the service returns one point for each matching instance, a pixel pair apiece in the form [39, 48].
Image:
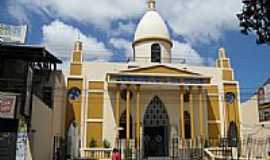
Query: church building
[149, 100]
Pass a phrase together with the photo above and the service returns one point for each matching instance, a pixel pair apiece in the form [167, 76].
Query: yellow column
[191, 112]
[117, 111]
[201, 111]
[138, 116]
[181, 113]
[127, 116]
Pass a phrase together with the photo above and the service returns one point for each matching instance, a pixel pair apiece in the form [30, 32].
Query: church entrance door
[156, 130]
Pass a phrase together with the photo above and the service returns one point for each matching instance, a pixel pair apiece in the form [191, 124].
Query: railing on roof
[195, 61]
[165, 60]
[97, 153]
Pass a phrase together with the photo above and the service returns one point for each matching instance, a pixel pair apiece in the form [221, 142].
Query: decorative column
[201, 111]
[181, 113]
[138, 115]
[117, 112]
[127, 116]
[191, 112]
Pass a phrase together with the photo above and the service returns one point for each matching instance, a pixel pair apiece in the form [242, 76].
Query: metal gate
[8, 145]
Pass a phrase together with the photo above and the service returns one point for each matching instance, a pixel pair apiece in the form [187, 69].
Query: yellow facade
[213, 108]
[214, 131]
[213, 103]
[77, 56]
[228, 75]
[232, 110]
[162, 69]
[96, 85]
[95, 105]
[76, 104]
[76, 69]
[94, 134]
[103, 103]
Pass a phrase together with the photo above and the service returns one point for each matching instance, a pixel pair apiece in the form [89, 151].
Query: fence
[196, 149]
[222, 148]
[258, 148]
[97, 153]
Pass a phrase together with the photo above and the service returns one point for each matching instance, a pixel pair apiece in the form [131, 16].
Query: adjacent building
[151, 99]
[255, 117]
[32, 103]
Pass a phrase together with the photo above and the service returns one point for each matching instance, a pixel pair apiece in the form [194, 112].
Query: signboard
[22, 145]
[13, 34]
[7, 106]
[263, 96]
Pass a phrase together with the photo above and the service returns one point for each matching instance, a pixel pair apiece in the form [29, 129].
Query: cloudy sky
[106, 27]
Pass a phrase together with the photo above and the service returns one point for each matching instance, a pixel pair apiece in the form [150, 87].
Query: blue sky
[198, 29]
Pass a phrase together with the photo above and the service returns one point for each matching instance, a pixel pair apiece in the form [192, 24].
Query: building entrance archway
[123, 125]
[156, 129]
[233, 135]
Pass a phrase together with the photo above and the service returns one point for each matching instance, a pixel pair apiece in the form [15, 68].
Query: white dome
[151, 26]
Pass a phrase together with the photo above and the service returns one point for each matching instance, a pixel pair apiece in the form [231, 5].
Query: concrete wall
[143, 51]
[42, 125]
[250, 120]
[48, 123]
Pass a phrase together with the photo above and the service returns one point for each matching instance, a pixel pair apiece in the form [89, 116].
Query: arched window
[232, 135]
[155, 53]
[187, 125]
[123, 125]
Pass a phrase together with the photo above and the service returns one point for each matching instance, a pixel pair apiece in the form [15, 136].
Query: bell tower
[76, 59]
[152, 42]
[224, 63]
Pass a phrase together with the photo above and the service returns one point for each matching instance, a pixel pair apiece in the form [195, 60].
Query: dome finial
[151, 5]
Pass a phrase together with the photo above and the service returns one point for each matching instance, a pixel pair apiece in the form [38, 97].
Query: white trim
[84, 107]
[94, 121]
[76, 63]
[161, 74]
[96, 90]
[84, 114]
[74, 77]
[151, 83]
[212, 94]
[239, 110]
[96, 149]
[230, 82]
[214, 121]
[82, 142]
[228, 69]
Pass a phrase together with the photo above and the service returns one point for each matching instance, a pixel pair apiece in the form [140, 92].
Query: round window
[74, 93]
[230, 97]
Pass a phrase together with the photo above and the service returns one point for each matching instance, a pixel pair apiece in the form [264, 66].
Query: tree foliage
[255, 17]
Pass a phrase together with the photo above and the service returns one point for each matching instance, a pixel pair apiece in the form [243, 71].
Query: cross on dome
[151, 4]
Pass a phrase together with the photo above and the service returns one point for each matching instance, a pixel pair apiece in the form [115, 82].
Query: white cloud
[124, 29]
[201, 20]
[122, 44]
[60, 38]
[184, 52]
[196, 20]
[100, 13]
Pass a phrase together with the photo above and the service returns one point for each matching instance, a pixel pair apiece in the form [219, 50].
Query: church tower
[152, 42]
